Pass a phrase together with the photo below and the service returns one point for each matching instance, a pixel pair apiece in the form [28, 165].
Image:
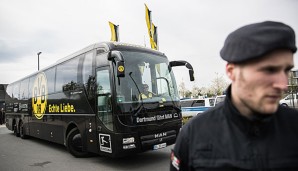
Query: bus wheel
[15, 130]
[74, 143]
[22, 131]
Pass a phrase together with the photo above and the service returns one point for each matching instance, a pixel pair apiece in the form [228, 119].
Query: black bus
[90, 101]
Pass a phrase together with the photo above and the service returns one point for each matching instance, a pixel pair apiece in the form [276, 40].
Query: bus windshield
[148, 84]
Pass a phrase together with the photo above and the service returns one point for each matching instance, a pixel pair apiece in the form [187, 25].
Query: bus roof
[105, 46]
[108, 46]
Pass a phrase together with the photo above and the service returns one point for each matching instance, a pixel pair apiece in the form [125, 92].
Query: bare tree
[188, 93]
[196, 91]
[219, 85]
[204, 91]
[182, 89]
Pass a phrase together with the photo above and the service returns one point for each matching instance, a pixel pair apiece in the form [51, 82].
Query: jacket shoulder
[210, 119]
[288, 114]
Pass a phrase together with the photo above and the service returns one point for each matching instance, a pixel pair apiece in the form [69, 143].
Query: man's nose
[282, 82]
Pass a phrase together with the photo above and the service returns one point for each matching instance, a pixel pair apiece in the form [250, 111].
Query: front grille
[149, 140]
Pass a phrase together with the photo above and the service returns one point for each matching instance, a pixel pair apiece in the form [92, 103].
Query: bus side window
[50, 74]
[88, 78]
[66, 75]
[104, 98]
[23, 105]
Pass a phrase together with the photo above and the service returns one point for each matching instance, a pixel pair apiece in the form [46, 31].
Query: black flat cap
[256, 40]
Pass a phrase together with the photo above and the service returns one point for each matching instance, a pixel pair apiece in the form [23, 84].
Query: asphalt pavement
[33, 154]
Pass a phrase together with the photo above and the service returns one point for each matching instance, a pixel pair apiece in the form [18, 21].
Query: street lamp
[38, 59]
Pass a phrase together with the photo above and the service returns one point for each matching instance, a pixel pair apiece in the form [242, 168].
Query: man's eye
[271, 70]
[287, 70]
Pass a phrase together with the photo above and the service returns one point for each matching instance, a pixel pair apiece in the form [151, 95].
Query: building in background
[290, 99]
[293, 82]
[2, 95]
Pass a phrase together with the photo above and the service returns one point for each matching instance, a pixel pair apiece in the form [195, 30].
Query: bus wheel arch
[74, 143]
[69, 128]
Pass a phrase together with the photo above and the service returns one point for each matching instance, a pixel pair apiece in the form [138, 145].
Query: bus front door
[104, 109]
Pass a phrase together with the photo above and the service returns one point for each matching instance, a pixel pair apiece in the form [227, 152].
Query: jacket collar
[241, 121]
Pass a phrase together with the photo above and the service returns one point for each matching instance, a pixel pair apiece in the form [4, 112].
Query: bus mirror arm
[115, 54]
[187, 65]
[118, 57]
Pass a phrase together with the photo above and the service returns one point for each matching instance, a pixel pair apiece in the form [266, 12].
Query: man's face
[146, 87]
[258, 86]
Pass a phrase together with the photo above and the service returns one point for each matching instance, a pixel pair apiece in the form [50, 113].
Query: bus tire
[74, 143]
[15, 130]
[22, 131]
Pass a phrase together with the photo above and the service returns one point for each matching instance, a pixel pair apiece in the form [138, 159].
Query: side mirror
[191, 75]
[187, 65]
[118, 58]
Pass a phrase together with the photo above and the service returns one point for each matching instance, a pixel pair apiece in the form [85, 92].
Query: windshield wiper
[139, 109]
[168, 84]
[169, 90]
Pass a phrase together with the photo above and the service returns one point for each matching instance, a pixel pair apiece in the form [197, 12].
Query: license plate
[159, 146]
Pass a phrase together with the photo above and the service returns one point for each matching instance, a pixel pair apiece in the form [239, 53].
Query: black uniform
[222, 139]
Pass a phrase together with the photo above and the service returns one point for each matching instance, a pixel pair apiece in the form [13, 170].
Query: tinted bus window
[101, 59]
[31, 82]
[87, 68]
[16, 91]
[24, 90]
[67, 74]
[50, 74]
[9, 90]
[103, 82]
[104, 98]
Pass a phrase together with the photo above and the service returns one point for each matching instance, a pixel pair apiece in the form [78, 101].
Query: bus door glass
[104, 108]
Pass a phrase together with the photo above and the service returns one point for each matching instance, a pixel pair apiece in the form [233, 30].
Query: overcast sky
[192, 30]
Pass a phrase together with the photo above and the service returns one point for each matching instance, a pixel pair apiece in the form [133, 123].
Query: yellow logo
[39, 95]
[121, 68]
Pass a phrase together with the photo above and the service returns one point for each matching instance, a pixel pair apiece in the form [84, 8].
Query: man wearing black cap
[249, 130]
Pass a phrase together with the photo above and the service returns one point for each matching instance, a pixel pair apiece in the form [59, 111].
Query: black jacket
[222, 139]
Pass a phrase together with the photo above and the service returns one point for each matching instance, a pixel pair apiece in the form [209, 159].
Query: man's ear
[230, 71]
